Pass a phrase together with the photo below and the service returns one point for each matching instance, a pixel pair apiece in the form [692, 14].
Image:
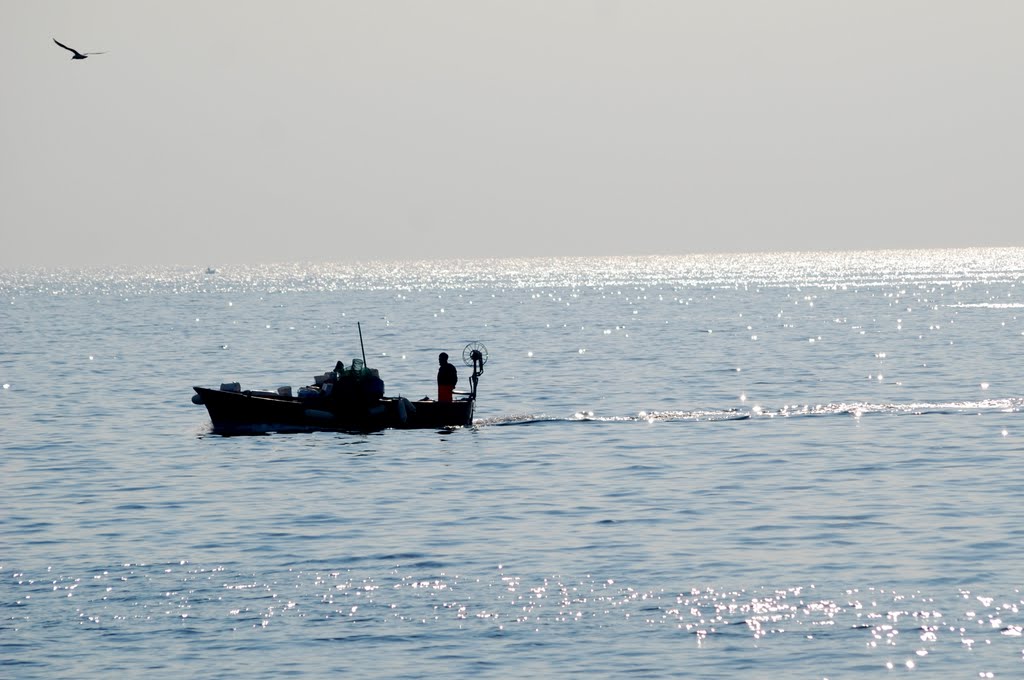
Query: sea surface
[801, 465]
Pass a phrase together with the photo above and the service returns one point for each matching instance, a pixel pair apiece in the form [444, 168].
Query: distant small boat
[345, 399]
[211, 270]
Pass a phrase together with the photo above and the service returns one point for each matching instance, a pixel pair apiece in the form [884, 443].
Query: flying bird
[75, 53]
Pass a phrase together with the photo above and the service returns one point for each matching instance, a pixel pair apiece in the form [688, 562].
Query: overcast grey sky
[259, 131]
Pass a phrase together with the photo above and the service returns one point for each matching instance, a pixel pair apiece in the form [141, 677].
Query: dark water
[756, 466]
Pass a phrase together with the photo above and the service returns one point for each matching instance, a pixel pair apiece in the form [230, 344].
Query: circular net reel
[475, 352]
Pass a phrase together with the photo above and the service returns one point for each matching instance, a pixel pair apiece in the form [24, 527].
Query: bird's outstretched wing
[69, 49]
[93, 52]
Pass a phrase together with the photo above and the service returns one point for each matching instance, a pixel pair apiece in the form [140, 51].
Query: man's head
[442, 358]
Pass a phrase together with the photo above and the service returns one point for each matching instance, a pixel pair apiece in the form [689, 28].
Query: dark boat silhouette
[346, 399]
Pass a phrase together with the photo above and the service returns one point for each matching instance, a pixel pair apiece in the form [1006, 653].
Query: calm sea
[779, 465]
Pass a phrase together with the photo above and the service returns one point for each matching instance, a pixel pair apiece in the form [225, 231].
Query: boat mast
[363, 349]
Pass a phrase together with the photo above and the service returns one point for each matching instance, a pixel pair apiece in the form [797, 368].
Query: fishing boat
[346, 399]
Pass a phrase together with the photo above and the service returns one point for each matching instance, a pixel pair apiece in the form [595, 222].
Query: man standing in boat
[447, 377]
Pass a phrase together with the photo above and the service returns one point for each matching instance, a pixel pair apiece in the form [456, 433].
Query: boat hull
[256, 412]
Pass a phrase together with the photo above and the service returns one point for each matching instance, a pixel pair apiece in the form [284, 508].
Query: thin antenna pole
[359, 326]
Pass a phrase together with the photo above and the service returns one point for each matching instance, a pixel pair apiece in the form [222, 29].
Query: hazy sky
[259, 131]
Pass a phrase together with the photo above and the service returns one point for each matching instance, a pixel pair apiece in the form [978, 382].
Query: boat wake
[853, 409]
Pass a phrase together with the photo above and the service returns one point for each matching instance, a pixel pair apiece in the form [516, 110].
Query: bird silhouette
[75, 53]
